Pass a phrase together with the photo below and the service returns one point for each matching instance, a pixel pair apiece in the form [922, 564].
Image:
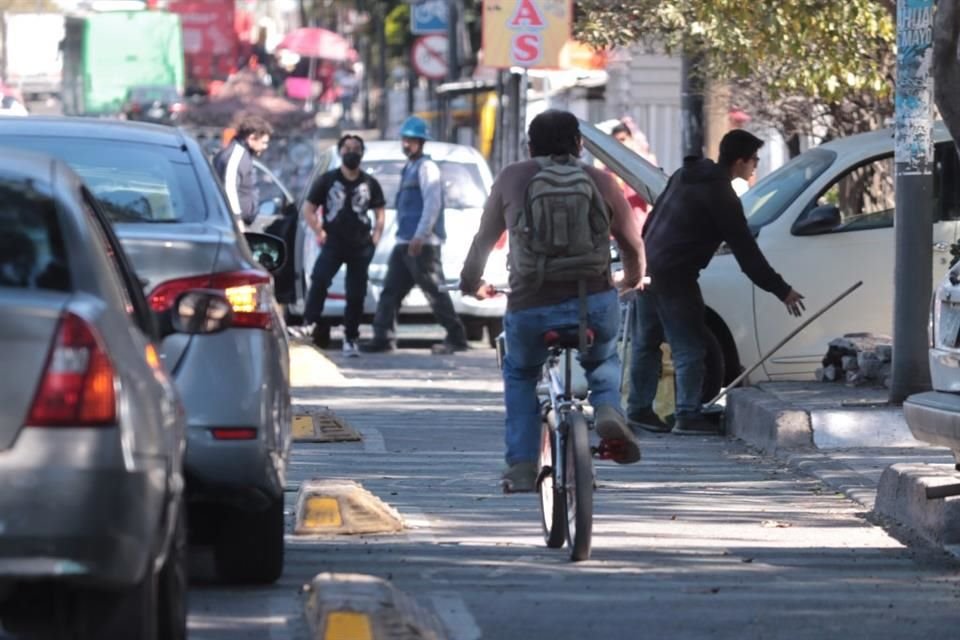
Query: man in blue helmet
[415, 259]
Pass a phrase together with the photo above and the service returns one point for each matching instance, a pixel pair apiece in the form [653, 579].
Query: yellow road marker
[302, 427]
[348, 625]
[322, 513]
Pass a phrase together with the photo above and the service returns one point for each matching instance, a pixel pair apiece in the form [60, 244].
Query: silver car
[166, 205]
[467, 181]
[92, 432]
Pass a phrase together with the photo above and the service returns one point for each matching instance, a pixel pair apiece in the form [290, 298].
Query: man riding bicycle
[549, 288]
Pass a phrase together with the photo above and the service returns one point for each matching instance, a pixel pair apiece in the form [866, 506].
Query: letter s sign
[526, 48]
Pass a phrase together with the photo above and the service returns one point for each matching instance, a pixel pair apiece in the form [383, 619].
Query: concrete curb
[902, 497]
[767, 423]
[310, 368]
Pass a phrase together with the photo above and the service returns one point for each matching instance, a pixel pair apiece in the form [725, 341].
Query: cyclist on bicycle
[536, 306]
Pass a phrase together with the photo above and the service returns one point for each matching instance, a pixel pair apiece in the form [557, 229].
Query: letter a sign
[525, 33]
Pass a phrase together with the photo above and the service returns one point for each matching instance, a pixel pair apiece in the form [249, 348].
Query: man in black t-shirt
[337, 209]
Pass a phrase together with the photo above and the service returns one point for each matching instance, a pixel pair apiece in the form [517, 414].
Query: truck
[105, 55]
[30, 53]
[211, 45]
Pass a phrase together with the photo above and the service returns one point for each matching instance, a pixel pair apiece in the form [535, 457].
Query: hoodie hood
[699, 170]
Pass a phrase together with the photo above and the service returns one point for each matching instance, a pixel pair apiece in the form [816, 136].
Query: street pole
[913, 221]
[382, 107]
[691, 105]
[453, 40]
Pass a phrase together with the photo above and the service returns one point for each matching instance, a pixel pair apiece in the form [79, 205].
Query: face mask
[351, 160]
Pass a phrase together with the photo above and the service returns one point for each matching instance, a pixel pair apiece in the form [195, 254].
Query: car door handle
[941, 246]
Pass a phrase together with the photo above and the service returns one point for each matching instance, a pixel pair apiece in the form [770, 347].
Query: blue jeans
[676, 314]
[526, 353]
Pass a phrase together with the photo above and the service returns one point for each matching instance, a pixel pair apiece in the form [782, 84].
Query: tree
[797, 63]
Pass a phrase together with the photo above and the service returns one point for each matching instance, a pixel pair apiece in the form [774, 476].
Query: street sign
[525, 33]
[429, 16]
[429, 56]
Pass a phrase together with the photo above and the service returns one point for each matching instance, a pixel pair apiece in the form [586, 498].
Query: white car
[467, 181]
[824, 221]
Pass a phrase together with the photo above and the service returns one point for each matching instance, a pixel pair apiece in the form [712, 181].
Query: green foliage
[819, 49]
[397, 26]
[29, 6]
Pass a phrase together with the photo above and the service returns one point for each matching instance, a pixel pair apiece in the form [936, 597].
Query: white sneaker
[350, 349]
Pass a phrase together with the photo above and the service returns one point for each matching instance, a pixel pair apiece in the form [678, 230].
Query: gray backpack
[563, 233]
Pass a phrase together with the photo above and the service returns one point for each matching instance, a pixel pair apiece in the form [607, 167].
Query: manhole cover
[323, 427]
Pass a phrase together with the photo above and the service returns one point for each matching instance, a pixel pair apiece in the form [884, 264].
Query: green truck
[107, 54]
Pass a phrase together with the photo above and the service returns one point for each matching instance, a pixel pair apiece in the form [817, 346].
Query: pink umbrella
[314, 42]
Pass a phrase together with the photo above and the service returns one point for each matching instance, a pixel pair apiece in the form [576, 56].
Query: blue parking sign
[429, 16]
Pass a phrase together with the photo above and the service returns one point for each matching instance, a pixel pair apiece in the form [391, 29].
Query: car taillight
[234, 433]
[79, 383]
[250, 293]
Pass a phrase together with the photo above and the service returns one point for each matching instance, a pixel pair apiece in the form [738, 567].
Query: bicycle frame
[561, 401]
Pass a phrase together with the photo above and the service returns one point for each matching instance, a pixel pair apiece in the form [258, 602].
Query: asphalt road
[701, 539]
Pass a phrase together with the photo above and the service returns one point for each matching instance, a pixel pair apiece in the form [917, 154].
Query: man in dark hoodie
[697, 212]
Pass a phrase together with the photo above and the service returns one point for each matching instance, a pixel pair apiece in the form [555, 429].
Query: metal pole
[453, 41]
[498, 134]
[913, 221]
[382, 108]
[691, 105]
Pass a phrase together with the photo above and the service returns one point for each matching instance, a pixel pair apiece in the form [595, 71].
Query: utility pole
[913, 156]
[691, 105]
[453, 40]
[382, 107]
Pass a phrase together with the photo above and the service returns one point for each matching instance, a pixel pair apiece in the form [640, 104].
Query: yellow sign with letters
[525, 33]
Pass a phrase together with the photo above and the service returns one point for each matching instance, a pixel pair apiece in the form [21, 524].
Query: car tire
[714, 366]
[249, 547]
[131, 614]
[173, 584]
[494, 329]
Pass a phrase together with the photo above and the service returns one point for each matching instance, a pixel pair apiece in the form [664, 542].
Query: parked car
[824, 220]
[166, 205]
[934, 416]
[467, 181]
[92, 432]
[161, 104]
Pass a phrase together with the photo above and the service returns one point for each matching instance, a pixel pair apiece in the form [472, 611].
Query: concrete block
[830, 374]
[902, 497]
[855, 377]
[767, 422]
[885, 352]
[849, 363]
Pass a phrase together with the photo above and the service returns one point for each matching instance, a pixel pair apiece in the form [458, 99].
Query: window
[135, 182]
[946, 182]
[462, 184]
[768, 199]
[32, 253]
[864, 196]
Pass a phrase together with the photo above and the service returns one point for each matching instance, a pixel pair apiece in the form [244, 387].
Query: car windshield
[764, 202]
[31, 246]
[134, 182]
[462, 184]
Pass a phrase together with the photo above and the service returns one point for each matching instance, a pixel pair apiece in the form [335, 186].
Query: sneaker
[520, 478]
[377, 346]
[648, 420]
[447, 348]
[696, 426]
[612, 426]
[350, 349]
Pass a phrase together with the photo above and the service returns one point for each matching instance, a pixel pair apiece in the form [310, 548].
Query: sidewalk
[853, 440]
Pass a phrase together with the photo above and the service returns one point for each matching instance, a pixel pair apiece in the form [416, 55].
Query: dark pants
[425, 271]
[676, 313]
[331, 258]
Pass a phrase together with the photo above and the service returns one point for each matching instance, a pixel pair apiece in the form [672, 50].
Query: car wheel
[714, 366]
[474, 329]
[173, 584]
[131, 614]
[494, 328]
[249, 549]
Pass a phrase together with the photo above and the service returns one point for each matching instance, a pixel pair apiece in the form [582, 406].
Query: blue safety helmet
[414, 127]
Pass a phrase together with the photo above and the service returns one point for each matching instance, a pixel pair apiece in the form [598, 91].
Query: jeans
[677, 313]
[425, 271]
[526, 353]
[331, 258]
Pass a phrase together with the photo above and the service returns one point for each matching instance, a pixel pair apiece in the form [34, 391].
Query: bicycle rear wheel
[552, 515]
[579, 487]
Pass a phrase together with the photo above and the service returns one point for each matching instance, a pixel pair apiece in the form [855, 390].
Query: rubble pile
[245, 92]
[858, 359]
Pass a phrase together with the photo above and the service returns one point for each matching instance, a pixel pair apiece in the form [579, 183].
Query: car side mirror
[197, 312]
[817, 220]
[270, 251]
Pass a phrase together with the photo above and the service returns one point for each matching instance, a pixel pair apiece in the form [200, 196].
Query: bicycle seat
[566, 338]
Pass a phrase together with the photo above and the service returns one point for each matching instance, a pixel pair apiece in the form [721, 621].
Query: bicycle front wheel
[552, 514]
[579, 486]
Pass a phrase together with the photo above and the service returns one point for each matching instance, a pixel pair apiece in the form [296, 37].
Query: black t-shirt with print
[346, 205]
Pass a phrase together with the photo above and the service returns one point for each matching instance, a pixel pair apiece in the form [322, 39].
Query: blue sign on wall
[429, 16]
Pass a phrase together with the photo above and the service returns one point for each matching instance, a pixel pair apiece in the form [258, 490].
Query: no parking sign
[429, 56]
